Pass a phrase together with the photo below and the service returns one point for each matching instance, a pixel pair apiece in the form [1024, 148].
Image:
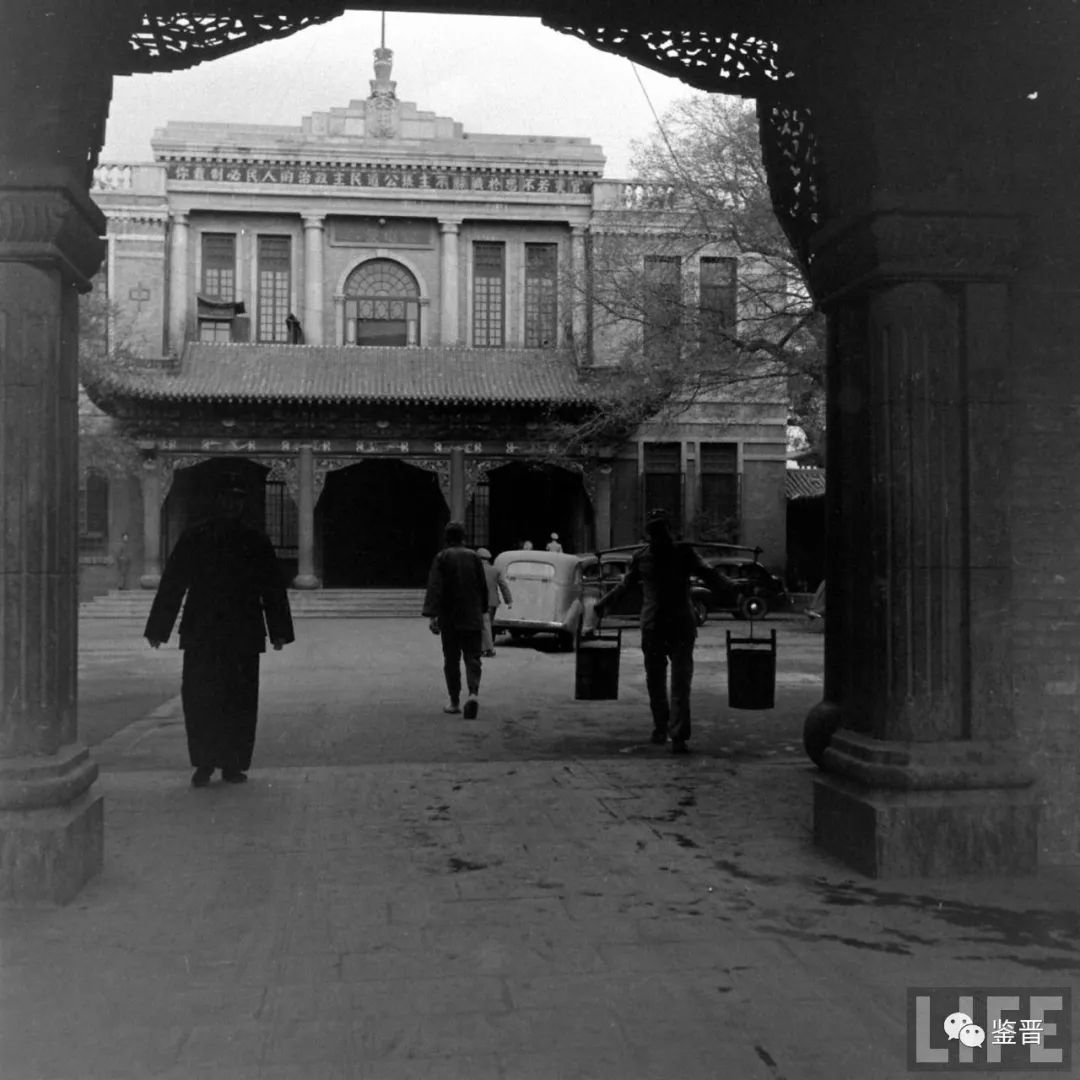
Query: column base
[927, 809]
[306, 581]
[52, 831]
[927, 833]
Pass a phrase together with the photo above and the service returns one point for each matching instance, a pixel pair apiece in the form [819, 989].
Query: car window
[591, 572]
[613, 571]
[536, 571]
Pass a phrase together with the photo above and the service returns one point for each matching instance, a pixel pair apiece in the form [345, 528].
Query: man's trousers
[671, 716]
[455, 645]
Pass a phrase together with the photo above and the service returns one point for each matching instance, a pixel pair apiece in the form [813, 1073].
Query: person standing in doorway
[234, 596]
[663, 569]
[496, 585]
[456, 603]
[553, 544]
[123, 562]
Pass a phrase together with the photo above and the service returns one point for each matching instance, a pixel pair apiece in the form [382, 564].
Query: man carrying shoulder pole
[663, 569]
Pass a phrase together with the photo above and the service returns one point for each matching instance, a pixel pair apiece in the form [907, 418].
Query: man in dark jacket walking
[234, 591]
[456, 602]
[668, 628]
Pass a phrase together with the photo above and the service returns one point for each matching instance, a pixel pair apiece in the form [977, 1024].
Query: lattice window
[662, 486]
[716, 298]
[282, 526]
[541, 296]
[382, 305]
[212, 330]
[275, 287]
[720, 491]
[219, 266]
[662, 304]
[489, 295]
[478, 515]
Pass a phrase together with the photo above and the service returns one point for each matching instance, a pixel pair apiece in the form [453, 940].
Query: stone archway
[379, 523]
[939, 226]
[531, 500]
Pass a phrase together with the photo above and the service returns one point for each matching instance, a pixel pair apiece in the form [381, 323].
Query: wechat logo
[960, 1026]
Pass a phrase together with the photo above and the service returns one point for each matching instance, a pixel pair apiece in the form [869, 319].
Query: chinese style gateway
[914, 153]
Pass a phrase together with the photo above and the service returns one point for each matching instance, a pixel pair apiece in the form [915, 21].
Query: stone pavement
[533, 895]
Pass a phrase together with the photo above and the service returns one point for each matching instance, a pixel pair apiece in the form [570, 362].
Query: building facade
[385, 321]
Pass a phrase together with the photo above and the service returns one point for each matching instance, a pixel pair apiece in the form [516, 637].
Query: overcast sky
[495, 75]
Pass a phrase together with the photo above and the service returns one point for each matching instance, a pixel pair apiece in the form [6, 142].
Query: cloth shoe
[659, 736]
[234, 776]
[472, 707]
[678, 746]
[453, 707]
[201, 776]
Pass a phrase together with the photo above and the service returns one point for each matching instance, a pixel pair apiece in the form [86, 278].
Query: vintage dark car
[749, 580]
[602, 571]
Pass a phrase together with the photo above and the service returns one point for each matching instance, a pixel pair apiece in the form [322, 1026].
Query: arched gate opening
[379, 524]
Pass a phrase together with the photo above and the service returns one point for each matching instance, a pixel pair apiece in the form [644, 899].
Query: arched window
[382, 305]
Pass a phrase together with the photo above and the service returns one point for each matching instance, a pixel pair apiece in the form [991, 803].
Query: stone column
[180, 228]
[458, 492]
[51, 824]
[448, 283]
[151, 501]
[305, 508]
[602, 506]
[314, 285]
[577, 297]
[917, 264]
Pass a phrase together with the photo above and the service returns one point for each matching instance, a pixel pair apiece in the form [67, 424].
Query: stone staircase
[305, 603]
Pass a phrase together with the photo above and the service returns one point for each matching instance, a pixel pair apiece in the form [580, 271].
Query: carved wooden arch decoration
[173, 37]
[440, 466]
[284, 470]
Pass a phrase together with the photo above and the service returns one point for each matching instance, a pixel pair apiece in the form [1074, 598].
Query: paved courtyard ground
[538, 893]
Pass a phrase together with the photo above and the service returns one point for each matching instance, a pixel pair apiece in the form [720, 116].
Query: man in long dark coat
[456, 603]
[235, 594]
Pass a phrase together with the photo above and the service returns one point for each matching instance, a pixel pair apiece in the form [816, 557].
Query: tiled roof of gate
[329, 374]
[805, 483]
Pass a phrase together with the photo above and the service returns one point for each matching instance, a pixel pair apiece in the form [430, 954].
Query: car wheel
[701, 612]
[753, 607]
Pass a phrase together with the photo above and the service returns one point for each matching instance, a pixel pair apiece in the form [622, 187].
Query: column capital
[313, 221]
[180, 217]
[889, 246]
[449, 225]
[52, 225]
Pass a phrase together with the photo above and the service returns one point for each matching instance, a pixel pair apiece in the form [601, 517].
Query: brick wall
[1046, 559]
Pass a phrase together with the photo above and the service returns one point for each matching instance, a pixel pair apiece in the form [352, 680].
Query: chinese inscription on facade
[498, 181]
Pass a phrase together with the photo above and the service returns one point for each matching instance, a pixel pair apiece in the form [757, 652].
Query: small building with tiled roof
[381, 321]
